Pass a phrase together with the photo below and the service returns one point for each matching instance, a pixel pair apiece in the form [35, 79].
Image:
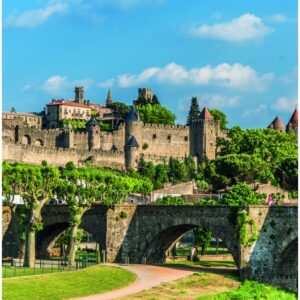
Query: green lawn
[63, 285]
[210, 263]
[8, 272]
[252, 290]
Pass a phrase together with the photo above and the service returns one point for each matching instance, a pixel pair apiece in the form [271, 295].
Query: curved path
[147, 277]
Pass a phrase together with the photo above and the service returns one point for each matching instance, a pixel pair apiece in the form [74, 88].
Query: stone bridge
[147, 232]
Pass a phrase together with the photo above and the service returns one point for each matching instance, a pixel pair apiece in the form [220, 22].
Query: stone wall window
[211, 144]
[186, 138]
[154, 136]
[169, 137]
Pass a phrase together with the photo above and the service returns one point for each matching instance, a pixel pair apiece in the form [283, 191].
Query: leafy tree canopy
[220, 116]
[155, 114]
[194, 112]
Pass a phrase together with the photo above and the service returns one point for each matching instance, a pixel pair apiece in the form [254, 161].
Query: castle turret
[277, 125]
[93, 130]
[292, 124]
[79, 94]
[109, 99]
[203, 136]
[133, 135]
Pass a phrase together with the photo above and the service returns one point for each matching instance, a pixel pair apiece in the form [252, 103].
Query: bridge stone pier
[146, 232]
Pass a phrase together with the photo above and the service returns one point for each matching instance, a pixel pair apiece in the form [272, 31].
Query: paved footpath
[147, 277]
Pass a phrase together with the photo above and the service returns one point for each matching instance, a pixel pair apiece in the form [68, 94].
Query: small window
[186, 138]
[154, 136]
[211, 144]
[169, 137]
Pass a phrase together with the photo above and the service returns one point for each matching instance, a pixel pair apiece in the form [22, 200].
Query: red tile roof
[68, 103]
[205, 114]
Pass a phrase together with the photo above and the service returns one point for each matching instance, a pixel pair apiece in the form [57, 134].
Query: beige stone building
[22, 119]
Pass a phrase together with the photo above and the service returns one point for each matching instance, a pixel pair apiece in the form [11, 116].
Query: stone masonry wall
[59, 157]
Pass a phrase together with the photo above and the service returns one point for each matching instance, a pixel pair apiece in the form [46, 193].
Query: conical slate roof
[109, 98]
[132, 116]
[132, 143]
[277, 124]
[294, 118]
[92, 121]
[205, 114]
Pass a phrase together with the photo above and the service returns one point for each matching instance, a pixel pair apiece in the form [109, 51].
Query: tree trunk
[33, 221]
[29, 260]
[71, 251]
[203, 250]
[22, 248]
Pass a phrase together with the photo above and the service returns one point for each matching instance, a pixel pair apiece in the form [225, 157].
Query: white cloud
[127, 80]
[285, 104]
[243, 28]
[219, 101]
[233, 76]
[27, 87]
[255, 111]
[278, 18]
[107, 83]
[55, 84]
[35, 17]
[87, 83]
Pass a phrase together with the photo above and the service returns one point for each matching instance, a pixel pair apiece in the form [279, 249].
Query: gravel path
[148, 277]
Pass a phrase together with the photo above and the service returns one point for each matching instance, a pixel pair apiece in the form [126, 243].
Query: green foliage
[13, 110]
[240, 194]
[275, 155]
[202, 185]
[252, 290]
[123, 214]
[293, 195]
[155, 114]
[219, 116]
[202, 238]
[74, 124]
[121, 109]
[178, 171]
[145, 146]
[194, 112]
[105, 126]
[171, 200]
[161, 175]
[242, 226]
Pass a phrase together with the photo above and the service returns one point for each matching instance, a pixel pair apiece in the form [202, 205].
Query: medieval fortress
[32, 138]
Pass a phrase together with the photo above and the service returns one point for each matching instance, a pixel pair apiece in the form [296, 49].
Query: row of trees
[174, 171]
[79, 188]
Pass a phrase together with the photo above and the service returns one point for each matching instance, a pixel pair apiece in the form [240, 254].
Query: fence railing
[15, 267]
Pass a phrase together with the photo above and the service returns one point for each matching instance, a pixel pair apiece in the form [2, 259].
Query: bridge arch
[285, 273]
[156, 249]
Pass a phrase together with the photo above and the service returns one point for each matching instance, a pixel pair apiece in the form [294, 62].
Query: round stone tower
[93, 130]
[133, 135]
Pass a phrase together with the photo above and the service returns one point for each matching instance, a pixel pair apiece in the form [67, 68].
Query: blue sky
[236, 56]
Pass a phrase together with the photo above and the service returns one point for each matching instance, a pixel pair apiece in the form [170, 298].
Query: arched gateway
[147, 232]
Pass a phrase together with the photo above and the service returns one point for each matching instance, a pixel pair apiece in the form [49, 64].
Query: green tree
[155, 114]
[13, 110]
[146, 169]
[219, 116]
[36, 185]
[202, 238]
[161, 175]
[121, 109]
[191, 166]
[178, 172]
[239, 195]
[194, 112]
[82, 188]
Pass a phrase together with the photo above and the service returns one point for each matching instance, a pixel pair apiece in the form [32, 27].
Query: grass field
[8, 272]
[252, 290]
[64, 285]
[213, 263]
